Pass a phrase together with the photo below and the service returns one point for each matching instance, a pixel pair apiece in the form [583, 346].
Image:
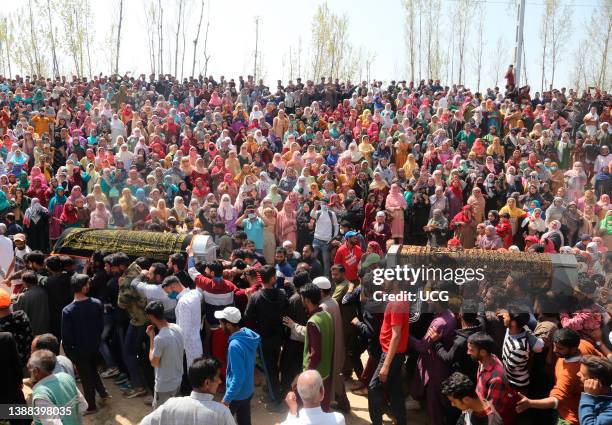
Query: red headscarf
[69, 214]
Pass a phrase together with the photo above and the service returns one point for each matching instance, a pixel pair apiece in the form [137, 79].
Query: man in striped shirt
[518, 344]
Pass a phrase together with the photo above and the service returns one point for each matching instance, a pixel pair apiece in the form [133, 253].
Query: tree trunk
[53, 51]
[176, 45]
[161, 38]
[8, 56]
[34, 41]
[119, 36]
[604, 59]
[206, 56]
[544, 45]
[195, 42]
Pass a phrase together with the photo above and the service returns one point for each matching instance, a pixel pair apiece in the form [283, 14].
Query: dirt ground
[122, 411]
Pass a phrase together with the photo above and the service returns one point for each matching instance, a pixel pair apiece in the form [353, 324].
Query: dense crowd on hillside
[303, 187]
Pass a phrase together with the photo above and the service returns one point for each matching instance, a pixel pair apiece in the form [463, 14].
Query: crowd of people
[304, 187]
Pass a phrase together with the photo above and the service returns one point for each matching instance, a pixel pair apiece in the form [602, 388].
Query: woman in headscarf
[75, 194]
[379, 230]
[56, 207]
[263, 184]
[5, 204]
[454, 194]
[119, 220]
[200, 190]
[554, 234]
[141, 215]
[274, 196]
[574, 222]
[296, 162]
[496, 150]
[370, 208]
[335, 204]
[478, 203]
[304, 230]
[228, 214]
[286, 224]
[269, 243]
[162, 211]
[576, 180]
[127, 203]
[490, 240]
[21, 204]
[604, 206]
[535, 219]
[218, 171]
[396, 205]
[228, 186]
[589, 199]
[247, 190]
[179, 210]
[36, 223]
[436, 229]
[410, 166]
[379, 186]
[478, 149]
[464, 225]
[75, 178]
[232, 163]
[555, 211]
[70, 216]
[278, 163]
[38, 191]
[515, 214]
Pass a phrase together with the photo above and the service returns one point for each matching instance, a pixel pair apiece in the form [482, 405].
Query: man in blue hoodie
[596, 400]
[243, 345]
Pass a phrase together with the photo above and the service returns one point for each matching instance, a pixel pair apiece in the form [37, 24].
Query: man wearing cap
[330, 305]
[349, 255]
[241, 351]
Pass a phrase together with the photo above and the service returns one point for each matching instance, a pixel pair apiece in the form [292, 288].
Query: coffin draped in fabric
[154, 245]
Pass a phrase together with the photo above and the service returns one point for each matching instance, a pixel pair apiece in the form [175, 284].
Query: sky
[377, 27]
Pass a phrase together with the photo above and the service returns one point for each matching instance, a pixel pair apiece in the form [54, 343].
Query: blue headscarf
[57, 198]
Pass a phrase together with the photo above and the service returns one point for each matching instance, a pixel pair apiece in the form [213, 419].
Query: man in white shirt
[188, 313]
[311, 391]
[6, 251]
[199, 407]
[325, 225]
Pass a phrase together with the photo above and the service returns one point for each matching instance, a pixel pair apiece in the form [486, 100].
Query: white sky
[376, 26]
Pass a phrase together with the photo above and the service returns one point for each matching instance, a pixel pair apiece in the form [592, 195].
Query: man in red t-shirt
[349, 256]
[388, 375]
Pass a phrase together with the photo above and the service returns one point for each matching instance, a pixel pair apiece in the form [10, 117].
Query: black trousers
[393, 386]
[241, 409]
[271, 348]
[291, 363]
[90, 378]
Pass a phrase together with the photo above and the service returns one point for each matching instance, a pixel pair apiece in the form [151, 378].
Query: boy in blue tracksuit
[241, 352]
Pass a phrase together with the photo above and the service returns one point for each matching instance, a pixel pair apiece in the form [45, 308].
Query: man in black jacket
[57, 285]
[265, 312]
[456, 355]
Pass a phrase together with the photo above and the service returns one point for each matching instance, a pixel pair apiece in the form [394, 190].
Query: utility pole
[256, 42]
[518, 49]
